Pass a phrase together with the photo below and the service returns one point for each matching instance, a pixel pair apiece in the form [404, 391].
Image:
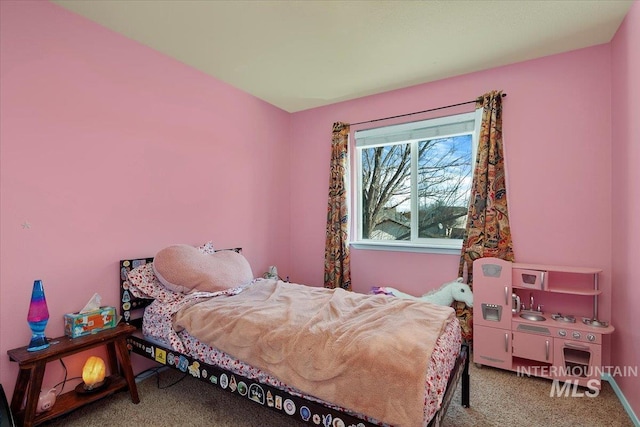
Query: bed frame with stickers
[303, 410]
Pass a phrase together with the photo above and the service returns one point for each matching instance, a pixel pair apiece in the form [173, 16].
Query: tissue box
[81, 324]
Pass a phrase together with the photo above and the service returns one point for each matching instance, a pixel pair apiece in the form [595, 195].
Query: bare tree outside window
[386, 186]
[442, 184]
[413, 182]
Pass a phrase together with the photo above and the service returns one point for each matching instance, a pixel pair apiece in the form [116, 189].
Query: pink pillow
[185, 269]
[143, 283]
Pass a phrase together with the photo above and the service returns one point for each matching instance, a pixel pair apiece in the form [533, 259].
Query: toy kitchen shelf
[557, 279]
[559, 346]
[549, 270]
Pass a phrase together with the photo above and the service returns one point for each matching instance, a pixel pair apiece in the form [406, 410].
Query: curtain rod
[424, 111]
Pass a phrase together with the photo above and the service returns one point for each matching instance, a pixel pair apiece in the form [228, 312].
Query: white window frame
[408, 132]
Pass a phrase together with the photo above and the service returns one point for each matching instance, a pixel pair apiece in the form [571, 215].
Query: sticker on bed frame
[289, 407]
[179, 362]
[161, 356]
[213, 379]
[337, 422]
[194, 369]
[224, 381]
[305, 413]
[157, 354]
[256, 393]
[242, 388]
[124, 271]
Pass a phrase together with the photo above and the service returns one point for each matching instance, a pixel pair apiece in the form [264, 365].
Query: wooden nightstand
[32, 367]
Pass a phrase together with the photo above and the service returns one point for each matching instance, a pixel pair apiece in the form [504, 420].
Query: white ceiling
[299, 54]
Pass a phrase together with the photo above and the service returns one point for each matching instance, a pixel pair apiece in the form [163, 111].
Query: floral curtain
[337, 273]
[487, 233]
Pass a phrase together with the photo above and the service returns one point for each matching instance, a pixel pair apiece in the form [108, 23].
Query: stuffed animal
[444, 295]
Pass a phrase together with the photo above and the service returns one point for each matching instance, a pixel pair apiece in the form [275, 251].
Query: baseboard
[625, 403]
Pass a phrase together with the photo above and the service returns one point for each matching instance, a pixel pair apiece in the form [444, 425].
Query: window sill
[406, 247]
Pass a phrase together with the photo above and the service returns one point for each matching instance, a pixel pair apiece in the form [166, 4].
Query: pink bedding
[326, 341]
[419, 379]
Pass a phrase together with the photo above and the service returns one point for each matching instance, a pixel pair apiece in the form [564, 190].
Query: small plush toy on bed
[445, 295]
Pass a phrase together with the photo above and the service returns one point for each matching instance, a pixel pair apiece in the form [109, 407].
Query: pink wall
[625, 110]
[558, 150]
[111, 150]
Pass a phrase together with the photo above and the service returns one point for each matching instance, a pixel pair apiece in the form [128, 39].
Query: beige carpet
[498, 398]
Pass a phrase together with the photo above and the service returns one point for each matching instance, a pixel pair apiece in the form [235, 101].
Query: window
[413, 182]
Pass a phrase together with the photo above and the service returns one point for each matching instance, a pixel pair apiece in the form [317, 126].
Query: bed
[172, 332]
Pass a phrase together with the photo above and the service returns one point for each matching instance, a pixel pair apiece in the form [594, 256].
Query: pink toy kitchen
[539, 319]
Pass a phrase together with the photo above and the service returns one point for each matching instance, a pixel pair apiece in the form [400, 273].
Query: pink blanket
[368, 353]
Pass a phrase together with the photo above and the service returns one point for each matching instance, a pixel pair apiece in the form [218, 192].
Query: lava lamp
[38, 317]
